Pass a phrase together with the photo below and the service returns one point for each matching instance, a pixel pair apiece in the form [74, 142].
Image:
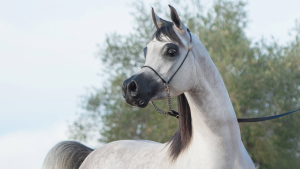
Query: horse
[176, 65]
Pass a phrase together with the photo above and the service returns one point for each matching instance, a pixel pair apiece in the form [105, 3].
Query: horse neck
[214, 123]
[209, 100]
[212, 115]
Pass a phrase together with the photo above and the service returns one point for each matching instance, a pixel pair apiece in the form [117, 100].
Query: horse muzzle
[139, 89]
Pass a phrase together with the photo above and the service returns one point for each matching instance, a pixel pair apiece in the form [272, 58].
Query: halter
[173, 113]
[167, 87]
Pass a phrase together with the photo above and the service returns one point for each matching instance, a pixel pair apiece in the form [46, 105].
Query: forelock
[167, 30]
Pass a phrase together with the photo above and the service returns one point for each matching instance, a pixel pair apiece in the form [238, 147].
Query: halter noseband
[167, 87]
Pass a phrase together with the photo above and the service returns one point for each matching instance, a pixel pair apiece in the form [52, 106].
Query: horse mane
[181, 139]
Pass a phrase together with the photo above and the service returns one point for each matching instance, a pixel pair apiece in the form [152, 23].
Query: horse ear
[158, 22]
[175, 18]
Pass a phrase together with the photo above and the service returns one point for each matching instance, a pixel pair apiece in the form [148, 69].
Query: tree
[262, 79]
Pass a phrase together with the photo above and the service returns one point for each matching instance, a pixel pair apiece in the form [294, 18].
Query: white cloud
[28, 149]
[47, 58]
[272, 18]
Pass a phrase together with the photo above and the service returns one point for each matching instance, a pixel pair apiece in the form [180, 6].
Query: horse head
[168, 57]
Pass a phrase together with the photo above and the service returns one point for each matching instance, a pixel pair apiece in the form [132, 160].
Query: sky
[47, 61]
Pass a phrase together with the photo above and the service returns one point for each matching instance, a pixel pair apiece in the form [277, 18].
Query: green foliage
[262, 79]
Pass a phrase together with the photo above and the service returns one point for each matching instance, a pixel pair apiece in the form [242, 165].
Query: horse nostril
[133, 88]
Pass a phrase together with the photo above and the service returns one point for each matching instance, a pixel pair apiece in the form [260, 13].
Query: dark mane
[168, 31]
[181, 139]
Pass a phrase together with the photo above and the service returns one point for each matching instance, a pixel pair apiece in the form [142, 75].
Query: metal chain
[168, 96]
[160, 111]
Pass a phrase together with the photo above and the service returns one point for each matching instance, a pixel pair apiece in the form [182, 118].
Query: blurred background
[62, 64]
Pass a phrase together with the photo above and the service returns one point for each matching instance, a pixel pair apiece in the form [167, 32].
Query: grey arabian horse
[208, 136]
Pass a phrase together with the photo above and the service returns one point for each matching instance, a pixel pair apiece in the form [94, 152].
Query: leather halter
[167, 87]
[189, 49]
[176, 114]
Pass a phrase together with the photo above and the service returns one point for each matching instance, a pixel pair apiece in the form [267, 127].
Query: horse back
[133, 154]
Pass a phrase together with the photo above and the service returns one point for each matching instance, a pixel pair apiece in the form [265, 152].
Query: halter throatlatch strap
[167, 87]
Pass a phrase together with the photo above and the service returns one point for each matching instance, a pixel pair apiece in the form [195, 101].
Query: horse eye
[172, 52]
